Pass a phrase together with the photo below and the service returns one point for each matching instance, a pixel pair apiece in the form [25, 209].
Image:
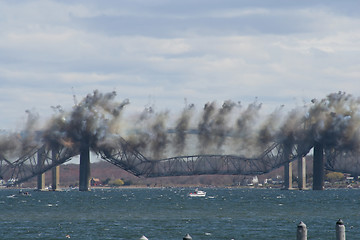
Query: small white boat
[197, 193]
[25, 194]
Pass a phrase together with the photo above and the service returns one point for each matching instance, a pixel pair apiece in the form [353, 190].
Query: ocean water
[170, 214]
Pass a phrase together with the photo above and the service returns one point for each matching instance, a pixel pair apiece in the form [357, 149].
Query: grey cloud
[174, 19]
[167, 26]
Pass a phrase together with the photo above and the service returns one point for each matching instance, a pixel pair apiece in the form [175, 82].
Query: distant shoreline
[332, 186]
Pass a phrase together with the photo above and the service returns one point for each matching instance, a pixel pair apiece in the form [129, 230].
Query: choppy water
[170, 214]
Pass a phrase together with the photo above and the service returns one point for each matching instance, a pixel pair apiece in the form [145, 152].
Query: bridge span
[40, 159]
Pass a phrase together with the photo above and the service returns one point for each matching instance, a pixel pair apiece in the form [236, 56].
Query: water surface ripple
[170, 214]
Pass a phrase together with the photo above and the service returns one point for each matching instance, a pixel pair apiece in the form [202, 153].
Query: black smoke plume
[181, 128]
[97, 119]
[91, 120]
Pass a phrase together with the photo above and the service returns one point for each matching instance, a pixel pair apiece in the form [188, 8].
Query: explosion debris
[90, 120]
[204, 127]
[182, 125]
[333, 122]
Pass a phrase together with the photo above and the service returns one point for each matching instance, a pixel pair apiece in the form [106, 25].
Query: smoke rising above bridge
[228, 128]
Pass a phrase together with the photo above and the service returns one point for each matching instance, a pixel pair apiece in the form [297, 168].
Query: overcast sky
[157, 52]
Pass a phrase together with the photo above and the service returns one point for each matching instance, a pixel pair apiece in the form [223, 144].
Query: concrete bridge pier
[55, 171]
[84, 179]
[288, 176]
[302, 173]
[318, 167]
[40, 163]
[287, 167]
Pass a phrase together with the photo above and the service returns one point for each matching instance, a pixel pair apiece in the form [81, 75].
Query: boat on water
[25, 194]
[197, 193]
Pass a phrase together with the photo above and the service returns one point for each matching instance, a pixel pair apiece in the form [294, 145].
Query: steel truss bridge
[39, 159]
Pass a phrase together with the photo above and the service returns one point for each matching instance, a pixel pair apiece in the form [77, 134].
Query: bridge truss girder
[36, 161]
[127, 158]
[343, 161]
